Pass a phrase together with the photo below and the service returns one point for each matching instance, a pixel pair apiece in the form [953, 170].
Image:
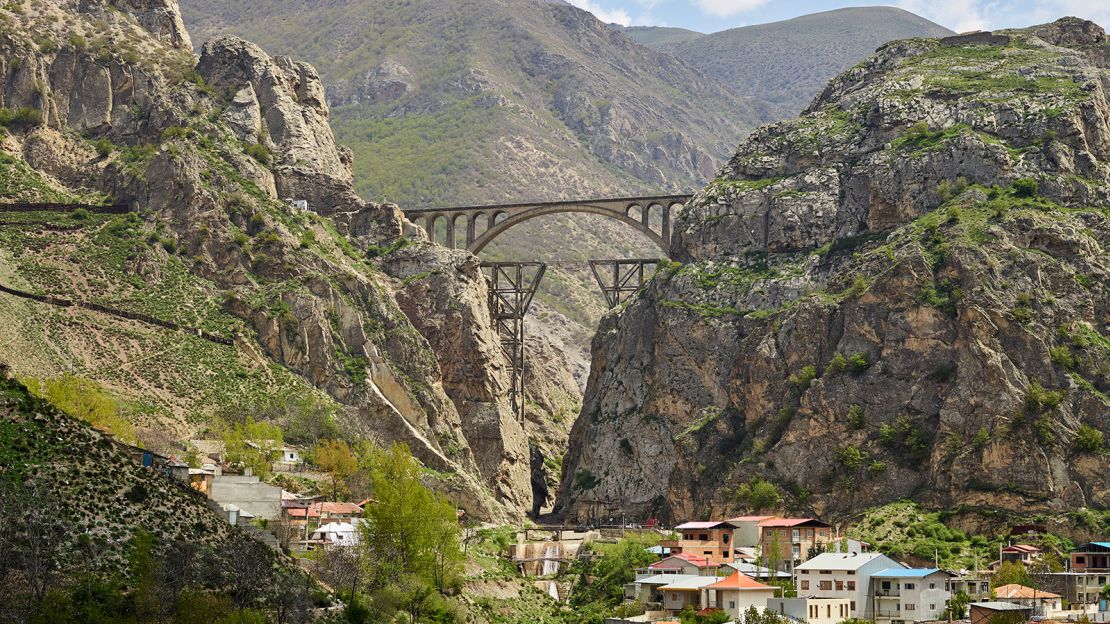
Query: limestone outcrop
[206, 152]
[901, 293]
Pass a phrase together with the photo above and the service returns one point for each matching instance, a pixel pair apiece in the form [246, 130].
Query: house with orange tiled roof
[1044, 604]
[735, 594]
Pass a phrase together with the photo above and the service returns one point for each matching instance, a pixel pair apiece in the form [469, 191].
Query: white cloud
[725, 8]
[609, 16]
[965, 15]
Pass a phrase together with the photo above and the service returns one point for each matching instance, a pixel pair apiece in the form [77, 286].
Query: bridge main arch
[497, 229]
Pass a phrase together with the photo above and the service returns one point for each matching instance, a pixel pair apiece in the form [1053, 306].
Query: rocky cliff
[105, 100]
[901, 293]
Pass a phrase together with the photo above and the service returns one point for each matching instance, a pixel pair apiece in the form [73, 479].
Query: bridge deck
[544, 204]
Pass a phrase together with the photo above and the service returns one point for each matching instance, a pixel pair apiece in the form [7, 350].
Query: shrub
[1024, 187]
[859, 363]
[803, 378]
[103, 147]
[838, 364]
[174, 132]
[982, 437]
[1039, 400]
[23, 116]
[1089, 440]
[258, 152]
[1062, 357]
[850, 457]
[855, 416]
[759, 494]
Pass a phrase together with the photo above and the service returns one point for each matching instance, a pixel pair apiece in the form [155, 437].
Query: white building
[901, 595]
[1045, 604]
[736, 594]
[840, 575]
[812, 610]
[337, 534]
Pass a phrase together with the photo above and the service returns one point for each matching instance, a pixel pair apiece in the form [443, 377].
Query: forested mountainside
[785, 64]
[901, 293]
[105, 101]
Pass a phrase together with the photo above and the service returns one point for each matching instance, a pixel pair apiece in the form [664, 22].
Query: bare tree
[340, 567]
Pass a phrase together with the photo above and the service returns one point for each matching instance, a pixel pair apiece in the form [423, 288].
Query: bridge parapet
[480, 225]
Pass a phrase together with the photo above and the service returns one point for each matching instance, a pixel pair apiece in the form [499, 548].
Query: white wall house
[812, 610]
[842, 575]
[736, 594]
[902, 595]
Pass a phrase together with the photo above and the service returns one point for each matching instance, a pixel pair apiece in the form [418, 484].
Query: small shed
[984, 612]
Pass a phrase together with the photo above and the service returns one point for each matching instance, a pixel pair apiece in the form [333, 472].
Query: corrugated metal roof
[691, 583]
[1001, 606]
[664, 579]
[839, 561]
[711, 524]
[906, 572]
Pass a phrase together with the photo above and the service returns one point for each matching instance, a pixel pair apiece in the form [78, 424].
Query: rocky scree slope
[113, 104]
[901, 293]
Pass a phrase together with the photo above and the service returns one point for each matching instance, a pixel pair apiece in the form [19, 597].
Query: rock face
[901, 293]
[206, 155]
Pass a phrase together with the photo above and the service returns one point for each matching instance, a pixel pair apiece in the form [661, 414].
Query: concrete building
[685, 591]
[1091, 557]
[1044, 604]
[748, 533]
[901, 595]
[736, 594]
[647, 590]
[1079, 589]
[712, 539]
[786, 542]
[1020, 553]
[840, 575]
[812, 610]
[683, 563]
[249, 494]
[975, 586]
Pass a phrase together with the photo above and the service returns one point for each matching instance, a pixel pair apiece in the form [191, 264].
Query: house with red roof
[684, 563]
[735, 594]
[786, 542]
[1021, 553]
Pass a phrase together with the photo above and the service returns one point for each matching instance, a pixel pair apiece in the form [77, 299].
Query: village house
[811, 610]
[755, 571]
[1090, 572]
[748, 533]
[1020, 553]
[341, 534]
[671, 569]
[977, 587]
[685, 590]
[289, 459]
[786, 542]
[842, 575]
[1091, 557]
[986, 612]
[735, 594]
[904, 595]
[1044, 604]
[712, 539]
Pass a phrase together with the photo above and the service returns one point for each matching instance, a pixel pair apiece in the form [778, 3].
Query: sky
[958, 15]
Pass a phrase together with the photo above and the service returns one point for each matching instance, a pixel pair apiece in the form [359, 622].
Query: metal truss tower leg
[619, 279]
[512, 285]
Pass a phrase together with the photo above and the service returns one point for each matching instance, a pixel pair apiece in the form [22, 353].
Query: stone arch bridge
[478, 226]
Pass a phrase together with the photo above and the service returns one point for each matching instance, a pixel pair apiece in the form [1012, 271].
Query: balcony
[888, 593]
[893, 614]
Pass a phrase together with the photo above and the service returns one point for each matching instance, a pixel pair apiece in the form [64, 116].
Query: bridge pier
[512, 285]
[619, 279]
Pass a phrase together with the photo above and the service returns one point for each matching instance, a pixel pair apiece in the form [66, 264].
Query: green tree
[758, 494]
[253, 444]
[410, 531]
[335, 458]
[956, 606]
[1011, 572]
[84, 399]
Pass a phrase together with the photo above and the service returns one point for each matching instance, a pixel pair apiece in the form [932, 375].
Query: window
[731, 604]
[932, 585]
[932, 606]
[907, 586]
[803, 571]
[797, 536]
[724, 538]
[911, 607]
[852, 605]
[1080, 559]
[805, 585]
[826, 585]
[707, 552]
[851, 572]
[826, 571]
[851, 586]
[840, 586]
[703, 537]
[674, 597]
[724, 553]
[797, 551]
